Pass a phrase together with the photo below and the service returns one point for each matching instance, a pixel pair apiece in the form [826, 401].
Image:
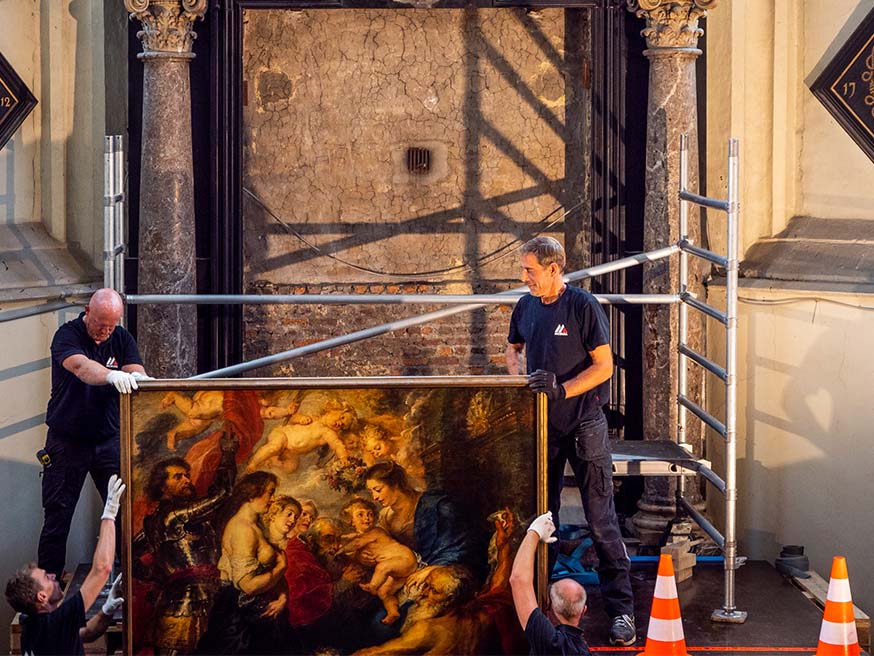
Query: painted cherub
[200, 411]
[273, 407]
[376, 444]
[372, 546]
[288, 442]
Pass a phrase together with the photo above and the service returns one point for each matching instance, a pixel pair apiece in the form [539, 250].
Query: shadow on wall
[809, 449]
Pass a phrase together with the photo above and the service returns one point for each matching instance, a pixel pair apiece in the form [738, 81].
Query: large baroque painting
[328, 516]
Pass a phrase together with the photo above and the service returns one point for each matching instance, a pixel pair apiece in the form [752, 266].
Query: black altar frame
[21, 101]
[851, 101]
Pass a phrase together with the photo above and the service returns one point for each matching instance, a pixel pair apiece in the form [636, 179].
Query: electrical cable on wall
[800, 299]
[488, 258]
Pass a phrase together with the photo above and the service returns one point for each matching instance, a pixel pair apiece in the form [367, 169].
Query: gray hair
[568, 599]
[547, 251]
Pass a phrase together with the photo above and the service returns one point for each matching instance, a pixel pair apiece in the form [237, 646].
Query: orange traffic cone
[664, 637]
[838, 637]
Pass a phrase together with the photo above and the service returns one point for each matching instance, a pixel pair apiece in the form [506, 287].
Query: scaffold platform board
[654, 458]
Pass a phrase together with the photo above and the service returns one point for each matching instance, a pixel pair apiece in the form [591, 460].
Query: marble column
[167, 334]
[672, 37]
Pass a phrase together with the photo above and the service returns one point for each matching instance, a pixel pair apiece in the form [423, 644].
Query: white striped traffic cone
[838, 636]
[664, 637]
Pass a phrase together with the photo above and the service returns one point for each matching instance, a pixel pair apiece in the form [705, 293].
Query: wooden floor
[780, 621]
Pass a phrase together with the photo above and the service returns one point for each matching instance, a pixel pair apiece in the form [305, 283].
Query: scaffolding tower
[630, 457]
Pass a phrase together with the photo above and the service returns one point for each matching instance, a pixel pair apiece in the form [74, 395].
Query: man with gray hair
[567, 597]
[566, 336]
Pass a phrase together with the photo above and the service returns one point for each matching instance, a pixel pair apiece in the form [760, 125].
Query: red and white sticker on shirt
[112, 363]
[560, 330]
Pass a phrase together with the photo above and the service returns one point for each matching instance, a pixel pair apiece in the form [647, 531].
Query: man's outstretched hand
[545, 381]
[544, 527]
[114, 600]
[114, 491]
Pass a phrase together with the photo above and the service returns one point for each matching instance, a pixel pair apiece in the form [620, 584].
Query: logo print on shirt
[112, 363]
[560, 330]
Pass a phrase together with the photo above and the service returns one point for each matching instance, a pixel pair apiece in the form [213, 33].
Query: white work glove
[544, 527]
[114, 600]
[114, 491]
[122, 381]
[140, 376]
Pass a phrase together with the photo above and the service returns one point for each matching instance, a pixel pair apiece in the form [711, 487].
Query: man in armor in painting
[181, 539]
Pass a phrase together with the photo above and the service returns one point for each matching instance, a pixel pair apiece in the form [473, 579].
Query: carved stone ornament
[671, 23]
[166, 23]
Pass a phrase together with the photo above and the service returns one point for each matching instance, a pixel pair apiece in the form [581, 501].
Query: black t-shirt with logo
[558, 337]
[56, 632]
[87, 412]
[548, 640]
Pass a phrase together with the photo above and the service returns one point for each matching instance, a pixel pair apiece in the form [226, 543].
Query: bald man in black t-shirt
[93, 361]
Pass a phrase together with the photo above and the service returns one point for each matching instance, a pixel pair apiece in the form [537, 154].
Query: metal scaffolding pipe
[709, 475]
[704, 523]
[118, 212]
[688, 247]
[36, 310]
[702, 414]
[600, 269]
[704, 201]
[729, 610]
[708, 364]
[320, 299]
[709, 310]
[108, 212]
[375, 299]
[683, 310]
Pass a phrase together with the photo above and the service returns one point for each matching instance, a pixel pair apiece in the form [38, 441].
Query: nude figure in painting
[372, 546]
[286, 444]
[200, 411]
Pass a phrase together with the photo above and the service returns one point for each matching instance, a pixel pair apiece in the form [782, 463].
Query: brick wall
[466, 343]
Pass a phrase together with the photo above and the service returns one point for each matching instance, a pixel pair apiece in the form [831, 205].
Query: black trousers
[72, 460]
[588, 451]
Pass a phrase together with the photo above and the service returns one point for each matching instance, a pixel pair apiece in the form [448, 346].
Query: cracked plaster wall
[333, 100]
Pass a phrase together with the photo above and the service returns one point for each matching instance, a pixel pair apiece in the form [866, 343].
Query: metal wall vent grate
[418, 160]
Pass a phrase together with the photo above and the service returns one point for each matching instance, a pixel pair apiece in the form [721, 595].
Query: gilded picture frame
[328, 515]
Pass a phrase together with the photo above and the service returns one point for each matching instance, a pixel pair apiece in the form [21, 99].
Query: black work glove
[544, 381]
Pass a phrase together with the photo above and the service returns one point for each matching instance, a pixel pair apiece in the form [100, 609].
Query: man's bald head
[106, 299]
[568, 600]
[103, 313]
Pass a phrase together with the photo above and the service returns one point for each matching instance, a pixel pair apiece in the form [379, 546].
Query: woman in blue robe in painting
[430, 523]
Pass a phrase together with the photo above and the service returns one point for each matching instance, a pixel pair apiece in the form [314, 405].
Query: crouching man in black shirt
[568, 599]
[52, 627]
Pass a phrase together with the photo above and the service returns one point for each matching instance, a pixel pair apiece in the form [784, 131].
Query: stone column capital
[671, 25]
[167, 25]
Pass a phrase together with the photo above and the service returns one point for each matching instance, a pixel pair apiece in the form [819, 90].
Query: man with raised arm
[51, 624]
[93, 361]
[566, 335]
[568, 599]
